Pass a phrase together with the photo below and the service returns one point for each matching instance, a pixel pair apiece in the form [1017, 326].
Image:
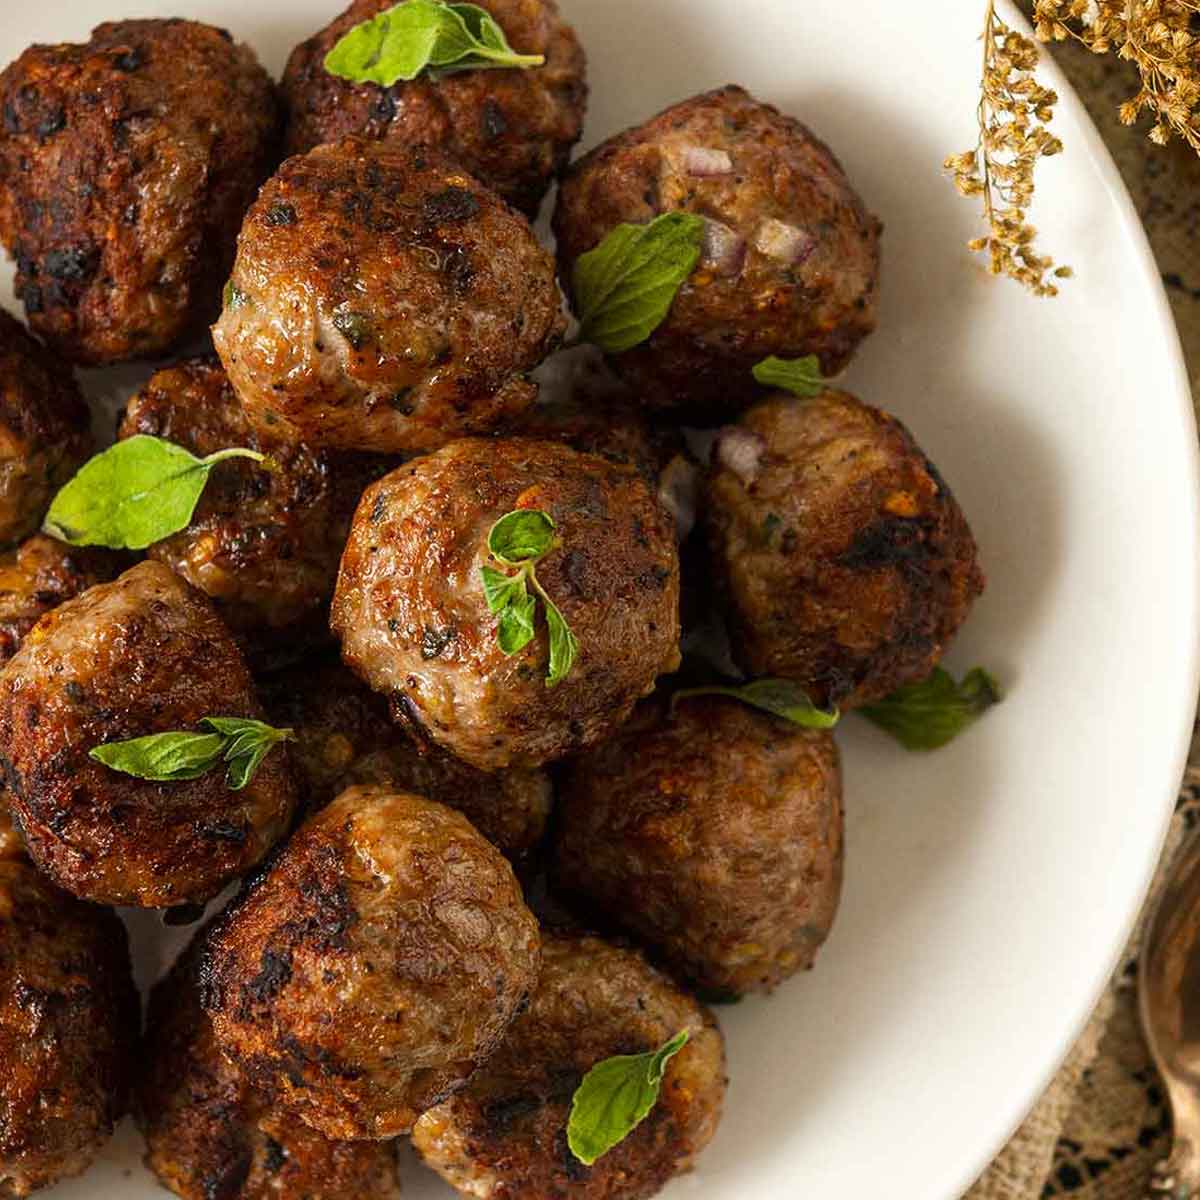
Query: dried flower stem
[1014, 110]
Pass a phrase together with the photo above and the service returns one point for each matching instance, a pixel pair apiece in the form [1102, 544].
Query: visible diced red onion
[740, 451]
[724, 249]
[786, 243]
[705, 163]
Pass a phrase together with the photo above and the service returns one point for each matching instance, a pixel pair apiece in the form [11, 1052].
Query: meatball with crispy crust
[845, 561]
[126, 165]
[790, 265]
[414, 621]
[513, 129]
[45, 431]
[504, 1136]
[345, 736]
[385, 300]
[713, 834]
[69, 1020]
[265, 540]
[144, 654]
[209, 1134]
[364, 976]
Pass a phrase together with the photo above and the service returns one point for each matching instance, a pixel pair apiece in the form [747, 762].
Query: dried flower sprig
[1158, 37]
[1014, 110]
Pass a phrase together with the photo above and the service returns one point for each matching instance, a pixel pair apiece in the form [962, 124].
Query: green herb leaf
[514, 630]
[420, 35]
[167, 757]
[564, 645]
[801, 376]
[135, 493]
[501, 590]
[625, 287]
[928, 714]
[234, 297]
[521, 535]
[615, 1096]
[780, 697]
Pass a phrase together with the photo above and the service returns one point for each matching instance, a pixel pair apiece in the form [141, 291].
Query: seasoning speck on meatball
[144, 654]
[845, 561]
[364, 976]
[211, 1135]
[69, 1020]
[791, 255]
[712, 834]
[414, 622]
[126, 165]
[398, 306]
[505, 1134]
[512, 129]
[45, 431]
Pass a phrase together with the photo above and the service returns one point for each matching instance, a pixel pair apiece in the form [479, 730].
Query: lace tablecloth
[1103, 1122]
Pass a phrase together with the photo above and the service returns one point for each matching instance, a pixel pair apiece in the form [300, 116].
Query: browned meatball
[69, 1020]
[382, 956]
[265, 541]
[344, 736]
[12, 845]
[144, 654]
[845, 560]
[414, 622]
[41, 574]
[126, 165]
[791, 257]
[714, 835]
[210, 1135]
[512, 129]
[44, 427]
[384, 300]
[504, 1136]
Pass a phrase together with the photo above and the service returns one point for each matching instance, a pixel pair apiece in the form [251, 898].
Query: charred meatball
[791, 255]
[380, 959]
[414, 622]
[144, 654]
[844, 558]
[210, 1134]
[69, 1020]
[126, 165]
[384, 300]
[345, 736]
[44, 427]
[714, 835]
[265, 541]
[505, 1134]
[41, 574]
[513, 129]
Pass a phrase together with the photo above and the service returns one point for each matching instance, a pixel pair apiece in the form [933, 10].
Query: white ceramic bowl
[990, 885]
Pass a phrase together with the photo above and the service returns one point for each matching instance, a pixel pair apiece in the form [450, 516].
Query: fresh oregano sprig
[928, 714]
[779, 697]
[521, 539]
[800, 376]
[424, 35]
[240, 742]
[135, 493]
[616, 1095]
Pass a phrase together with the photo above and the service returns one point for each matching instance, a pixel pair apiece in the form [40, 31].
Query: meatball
[345, 736]
[363, 977]
[210, 1134]
[513, 129]
[265, 541]
[69, 1021]
[126, 165]
[384, 300]
[791, 255]
[713, 835]
[144, 654]
[414, 622]
[11, 843]
[504, 1135]
[45, 432]
[844, 559]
